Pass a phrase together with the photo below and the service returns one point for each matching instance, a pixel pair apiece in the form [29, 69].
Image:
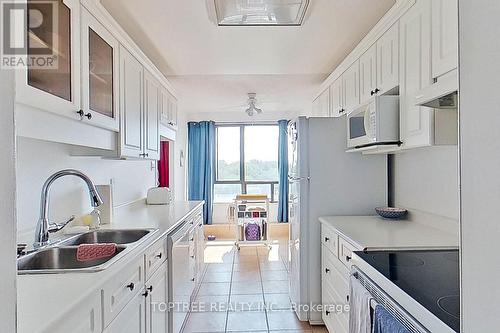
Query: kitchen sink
[123, 236]
[59, 259]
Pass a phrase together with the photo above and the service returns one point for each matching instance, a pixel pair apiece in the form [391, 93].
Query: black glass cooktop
[431, 277]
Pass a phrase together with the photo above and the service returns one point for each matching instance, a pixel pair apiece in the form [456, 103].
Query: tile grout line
[262, 288]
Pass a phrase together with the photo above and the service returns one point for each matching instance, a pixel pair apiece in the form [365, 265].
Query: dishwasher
[181, 273]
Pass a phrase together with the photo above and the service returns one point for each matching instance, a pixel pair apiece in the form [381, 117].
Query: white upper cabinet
[131, 105]
[368, 73]
[324, 104]
[388, 60]
[168, 112]
[444, 36]
[151, 117]
[336, 98]
[350, 82]
[99, 62]
[416, 123]
[140, 102]
[321, 105]
[55, 89]
[379, 66]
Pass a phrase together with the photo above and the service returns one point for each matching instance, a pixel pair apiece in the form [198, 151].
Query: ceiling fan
[252, 109]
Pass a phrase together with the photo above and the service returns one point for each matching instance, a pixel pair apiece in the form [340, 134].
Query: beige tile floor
[244, 291]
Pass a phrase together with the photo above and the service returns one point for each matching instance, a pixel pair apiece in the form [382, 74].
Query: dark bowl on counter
[391, 212]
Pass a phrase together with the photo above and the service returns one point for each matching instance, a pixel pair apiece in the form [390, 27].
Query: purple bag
[252, 232]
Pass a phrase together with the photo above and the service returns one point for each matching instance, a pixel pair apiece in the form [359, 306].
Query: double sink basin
[61, 257]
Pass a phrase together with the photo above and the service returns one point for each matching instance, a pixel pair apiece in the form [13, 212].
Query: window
[247, 161]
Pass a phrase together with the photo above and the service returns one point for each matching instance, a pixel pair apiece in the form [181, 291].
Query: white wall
[426, 183]
[38, 159]
[480, 164]
[180, 191]
[7, 204]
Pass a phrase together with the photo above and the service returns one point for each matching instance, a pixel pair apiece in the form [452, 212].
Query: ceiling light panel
[260, 12]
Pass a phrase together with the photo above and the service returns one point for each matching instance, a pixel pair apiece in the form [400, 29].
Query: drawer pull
[327, 239]
[348, 258]
[131, 286]
[159, 255]
[327, 270]
[150, 288]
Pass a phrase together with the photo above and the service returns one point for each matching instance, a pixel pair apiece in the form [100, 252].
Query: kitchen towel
[359, 313]
[384, 322]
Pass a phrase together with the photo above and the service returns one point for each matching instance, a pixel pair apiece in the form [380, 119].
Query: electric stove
[430, 277]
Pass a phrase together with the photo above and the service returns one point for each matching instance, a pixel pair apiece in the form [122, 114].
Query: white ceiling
[181, 39]
[228, 93]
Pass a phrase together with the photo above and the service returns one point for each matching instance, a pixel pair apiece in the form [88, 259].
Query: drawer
[155, 256]
[336, 275]
[345, 252]
[335, 317]
[118, 292]
[330, 239]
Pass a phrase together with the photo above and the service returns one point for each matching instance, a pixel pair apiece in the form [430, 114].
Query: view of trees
[254, 170]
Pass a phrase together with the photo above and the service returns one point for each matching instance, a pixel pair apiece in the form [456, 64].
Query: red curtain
[163, 165]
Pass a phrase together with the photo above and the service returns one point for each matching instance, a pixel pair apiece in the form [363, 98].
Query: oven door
[359, 126]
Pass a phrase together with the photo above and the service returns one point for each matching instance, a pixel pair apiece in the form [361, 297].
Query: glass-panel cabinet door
[99, 74]
[51, 79]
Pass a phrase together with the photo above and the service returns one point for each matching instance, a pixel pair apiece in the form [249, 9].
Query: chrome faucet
[43, 227]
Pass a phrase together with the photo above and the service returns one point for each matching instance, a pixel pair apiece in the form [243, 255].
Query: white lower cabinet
[84, 318]
[335, 273]
[147, 311]
[132, 318]
[157, 302]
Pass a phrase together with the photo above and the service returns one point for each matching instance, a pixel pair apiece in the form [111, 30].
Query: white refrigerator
[324, 180]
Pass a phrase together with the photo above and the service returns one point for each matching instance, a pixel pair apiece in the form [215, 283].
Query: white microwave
[374, 123]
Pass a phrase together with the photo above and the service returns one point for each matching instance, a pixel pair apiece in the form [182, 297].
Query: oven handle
[382, 298]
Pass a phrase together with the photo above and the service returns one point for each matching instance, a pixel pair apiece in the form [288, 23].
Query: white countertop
[43, 298]
[374, 232]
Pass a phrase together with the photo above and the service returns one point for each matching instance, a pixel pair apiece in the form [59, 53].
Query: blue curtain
[283, 171]
[201, 162]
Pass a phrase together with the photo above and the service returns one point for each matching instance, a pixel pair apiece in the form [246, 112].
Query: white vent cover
[260, 12]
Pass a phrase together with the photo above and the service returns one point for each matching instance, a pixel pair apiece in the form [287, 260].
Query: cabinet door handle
[376, 90]
[131, 286]
[327, 270]
[89, 116]
[347, 297]
[145, 294]
[159, 255]
[192, 279]
[327, 239]
[80, 113]
[150, 288]
[327, 312]
[348, 258]
[372, 93]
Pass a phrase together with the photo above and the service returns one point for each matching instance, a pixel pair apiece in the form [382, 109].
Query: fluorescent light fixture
[260, 12]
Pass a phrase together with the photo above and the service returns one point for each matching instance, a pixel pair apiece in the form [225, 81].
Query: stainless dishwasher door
[181, 278]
